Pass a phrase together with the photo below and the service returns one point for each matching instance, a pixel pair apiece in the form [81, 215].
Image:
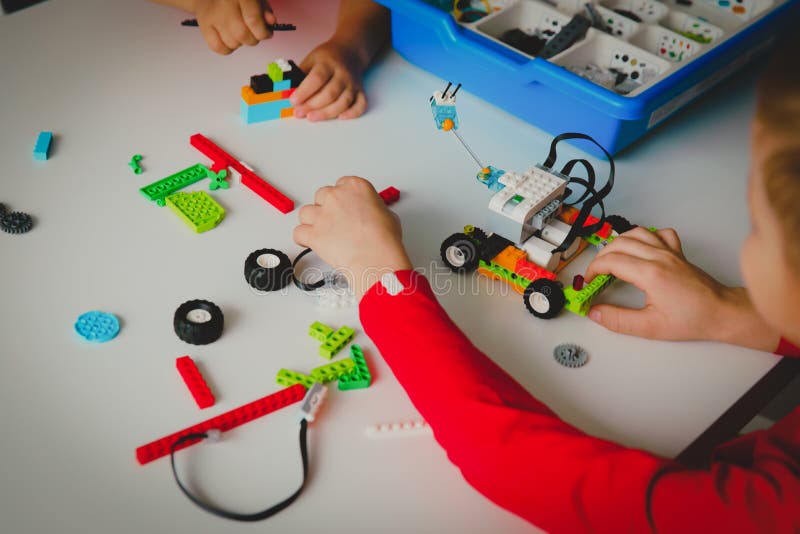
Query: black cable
[595, 197]
[258, 516]
[302, 285]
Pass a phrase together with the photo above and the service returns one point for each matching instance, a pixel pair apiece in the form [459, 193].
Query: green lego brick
[360, 377]
[504, 274]
[198, 209]
[274, 72]
[336, 342]
[320, 331]
[579, 302]
[161, 189]
[285, 377]
[332, 371]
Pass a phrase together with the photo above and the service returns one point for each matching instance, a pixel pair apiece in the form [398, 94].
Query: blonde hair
[778, 112]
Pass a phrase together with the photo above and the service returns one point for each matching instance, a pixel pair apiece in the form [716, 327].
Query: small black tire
[544, 298]
[268, 269]
[460, 253]
[619, 223]
[198, 322]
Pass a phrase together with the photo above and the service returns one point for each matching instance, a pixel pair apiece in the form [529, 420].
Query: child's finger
[214, 41]
[308, 214]
[641, 323]
[241, 33]
[333, 110]
[631, 269]
[255, 19]
[633, 247]
[327, 95]
[269, 15]
[670, 237]
[316, 79]
[357, 109]
[302, 235]
[321, 194]
[645, 236]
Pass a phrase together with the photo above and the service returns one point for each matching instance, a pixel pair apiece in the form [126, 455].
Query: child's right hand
[350, 228]
[682, 301]
[228, 24]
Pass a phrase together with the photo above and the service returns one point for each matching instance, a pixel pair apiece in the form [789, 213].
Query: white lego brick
[536, 187]
[399, 430]
[443, 101]
[540, 252]
[283, 64]
[555, 232]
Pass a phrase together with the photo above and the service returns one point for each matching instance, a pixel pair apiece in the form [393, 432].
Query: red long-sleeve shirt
[519, 454]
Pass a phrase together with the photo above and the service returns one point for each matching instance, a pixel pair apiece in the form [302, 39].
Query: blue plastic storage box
[615, 84]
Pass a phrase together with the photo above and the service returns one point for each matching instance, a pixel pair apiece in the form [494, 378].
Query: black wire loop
[257, 516]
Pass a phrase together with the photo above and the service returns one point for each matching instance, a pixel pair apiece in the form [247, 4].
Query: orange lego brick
[287, 112]
[250, 97]
[509, 256]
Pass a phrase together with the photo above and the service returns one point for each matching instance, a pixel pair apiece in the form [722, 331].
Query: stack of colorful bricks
[267, 97]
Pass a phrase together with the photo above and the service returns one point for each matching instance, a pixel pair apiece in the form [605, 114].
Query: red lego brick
[287, 93]
[531, 271]
[569, 214]
[195, 382]
[250, 179]
[224, 422]
[263, 189]
[390, 195]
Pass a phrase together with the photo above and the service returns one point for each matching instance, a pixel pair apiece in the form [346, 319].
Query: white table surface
[114, 78]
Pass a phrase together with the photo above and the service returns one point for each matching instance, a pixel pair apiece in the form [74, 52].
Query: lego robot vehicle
[535, 229]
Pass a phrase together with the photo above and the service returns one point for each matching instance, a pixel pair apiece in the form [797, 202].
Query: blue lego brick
[282, 85]
[442, 112]
[42, 149]
[263, 112]
[491, 179]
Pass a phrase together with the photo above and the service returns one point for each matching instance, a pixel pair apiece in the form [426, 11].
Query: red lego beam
[224, 422]
[195, 382]
[250, 179]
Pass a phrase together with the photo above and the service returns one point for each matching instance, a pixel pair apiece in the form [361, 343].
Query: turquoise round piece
[97, 326]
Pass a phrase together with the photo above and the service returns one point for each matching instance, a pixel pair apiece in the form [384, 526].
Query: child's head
[771, 254]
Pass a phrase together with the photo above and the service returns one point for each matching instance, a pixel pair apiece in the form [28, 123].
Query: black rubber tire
[552, 291]
[467, 247]
[619, 223]
[265, 278]
[198, 333]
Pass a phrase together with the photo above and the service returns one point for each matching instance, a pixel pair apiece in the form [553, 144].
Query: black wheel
[268, 269]
[198, 322]
[460, 253]
[544, 298]
[619, 223]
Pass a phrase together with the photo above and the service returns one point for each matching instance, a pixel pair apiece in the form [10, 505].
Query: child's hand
[332, 87]
[682, 301]
[350, 228]
[229, 24]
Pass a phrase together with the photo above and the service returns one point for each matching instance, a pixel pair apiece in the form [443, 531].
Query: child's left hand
[332, 89]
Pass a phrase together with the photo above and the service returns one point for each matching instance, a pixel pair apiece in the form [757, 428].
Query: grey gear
[570, 355]
[16, 222]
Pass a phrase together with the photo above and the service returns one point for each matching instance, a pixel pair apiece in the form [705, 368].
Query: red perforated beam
[250, 179]
[195, 382]
[224, 422]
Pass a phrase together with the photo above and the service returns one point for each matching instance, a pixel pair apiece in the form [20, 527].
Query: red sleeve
[787, 349]
[520, 455]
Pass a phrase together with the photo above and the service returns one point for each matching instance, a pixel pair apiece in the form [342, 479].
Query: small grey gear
[16, 222]
[570, 355]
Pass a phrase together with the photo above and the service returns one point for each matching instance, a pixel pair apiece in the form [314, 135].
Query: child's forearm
[363, 27]
[186, 5]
